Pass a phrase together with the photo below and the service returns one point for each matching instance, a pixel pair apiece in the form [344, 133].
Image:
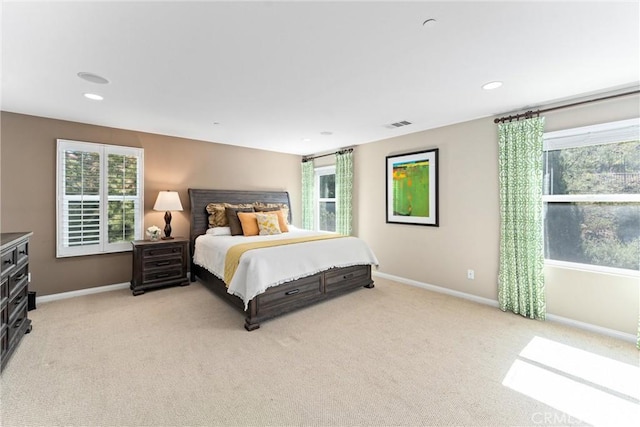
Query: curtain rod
[529, 114]
[308, 158]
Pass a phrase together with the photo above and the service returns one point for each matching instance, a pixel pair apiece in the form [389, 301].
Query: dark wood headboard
[200, 198]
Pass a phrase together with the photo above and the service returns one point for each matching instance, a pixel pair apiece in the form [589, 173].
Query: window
[99, 198]
[325, 215]
[592, 196]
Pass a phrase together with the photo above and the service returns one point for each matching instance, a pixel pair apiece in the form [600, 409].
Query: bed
[283, 296]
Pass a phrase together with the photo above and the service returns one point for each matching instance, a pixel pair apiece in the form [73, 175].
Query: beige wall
[469, 220]
[466, 239]
[28, 148]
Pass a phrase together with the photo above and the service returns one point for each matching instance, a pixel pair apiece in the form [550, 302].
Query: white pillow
[219, 231]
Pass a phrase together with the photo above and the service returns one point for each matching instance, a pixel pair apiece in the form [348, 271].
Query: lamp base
[166, 238]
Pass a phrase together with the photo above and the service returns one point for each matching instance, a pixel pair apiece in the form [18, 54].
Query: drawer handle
[18, 323]
[293, 292]
[175, 250]
[8, 261]
[159, 263]
[17, 300]
[22, 252]
[347, 276]
[161, 275]
[20, 277]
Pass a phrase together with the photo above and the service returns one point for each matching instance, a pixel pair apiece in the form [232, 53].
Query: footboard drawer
[287, 293]
[349, 277]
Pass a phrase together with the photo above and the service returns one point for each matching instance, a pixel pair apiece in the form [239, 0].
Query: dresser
[14, 291]
[159, 263]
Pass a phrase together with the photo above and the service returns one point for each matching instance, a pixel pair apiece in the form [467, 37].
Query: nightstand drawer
[162, 275]
[162, 262]
[162, 251]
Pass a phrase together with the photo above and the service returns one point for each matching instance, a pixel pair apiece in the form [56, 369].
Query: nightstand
[159, 263]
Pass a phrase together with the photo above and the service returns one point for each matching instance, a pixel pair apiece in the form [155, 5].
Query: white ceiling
[274, 75]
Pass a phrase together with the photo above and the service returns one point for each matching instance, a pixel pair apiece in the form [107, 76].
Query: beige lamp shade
[167, 201]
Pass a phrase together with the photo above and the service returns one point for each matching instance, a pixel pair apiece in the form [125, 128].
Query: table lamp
[167, 201]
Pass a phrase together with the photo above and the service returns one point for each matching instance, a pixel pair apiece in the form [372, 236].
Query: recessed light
[93, 96]
[491, 85]
[306, 139]
[93, 78]
[429, 22]
[326, 133]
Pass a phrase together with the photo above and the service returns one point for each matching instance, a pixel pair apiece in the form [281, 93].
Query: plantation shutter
[99, 198]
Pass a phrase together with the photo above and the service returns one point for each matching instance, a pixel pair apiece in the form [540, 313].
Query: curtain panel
[521, 274]
[344, 192]
[308, 176]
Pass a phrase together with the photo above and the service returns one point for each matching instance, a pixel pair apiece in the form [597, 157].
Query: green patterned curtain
[520, 276]
[344, 189]
[308, 176]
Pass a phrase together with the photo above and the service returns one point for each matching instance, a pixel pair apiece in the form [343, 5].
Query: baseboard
[81, 292]
[439, 289]
[494, 303]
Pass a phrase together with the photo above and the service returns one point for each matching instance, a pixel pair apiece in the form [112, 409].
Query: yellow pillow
[249, 223]
[267, 223]
[282, 220]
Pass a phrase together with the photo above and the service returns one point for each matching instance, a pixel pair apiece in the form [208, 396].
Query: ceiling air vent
[398, 124]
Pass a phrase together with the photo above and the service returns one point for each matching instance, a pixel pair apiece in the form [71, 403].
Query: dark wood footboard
[293, 295]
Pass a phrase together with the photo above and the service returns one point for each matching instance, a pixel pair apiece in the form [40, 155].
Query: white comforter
[262, 268]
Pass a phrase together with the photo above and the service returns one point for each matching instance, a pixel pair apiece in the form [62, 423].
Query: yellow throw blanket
[232, 259]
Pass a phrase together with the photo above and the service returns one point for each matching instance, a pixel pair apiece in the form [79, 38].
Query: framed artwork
[412, 188]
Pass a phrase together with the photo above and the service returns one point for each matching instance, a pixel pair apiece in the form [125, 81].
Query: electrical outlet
[471, 274]
[29, 277]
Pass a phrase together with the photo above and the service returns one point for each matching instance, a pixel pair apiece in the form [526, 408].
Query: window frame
[599, 134]
[104, 150]
[318, 172]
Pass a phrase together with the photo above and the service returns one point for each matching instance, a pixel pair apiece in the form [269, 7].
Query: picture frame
[412, 188]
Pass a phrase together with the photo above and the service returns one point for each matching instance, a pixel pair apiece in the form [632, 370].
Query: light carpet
[394, 355]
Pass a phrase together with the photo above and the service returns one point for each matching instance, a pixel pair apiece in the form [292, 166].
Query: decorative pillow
[219, 231]
[282, 220]
[234, 221]
[262, 207]
[268, 224]
[218, 214]
[249, 223]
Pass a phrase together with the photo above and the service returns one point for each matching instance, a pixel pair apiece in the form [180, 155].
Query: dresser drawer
[348, 277]
[22, 253]
[4, 340]
[4, 292]
[308, 287]
[16, 301]
[8, 262]
[18, 326]
[4, 315]
[18, 280]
